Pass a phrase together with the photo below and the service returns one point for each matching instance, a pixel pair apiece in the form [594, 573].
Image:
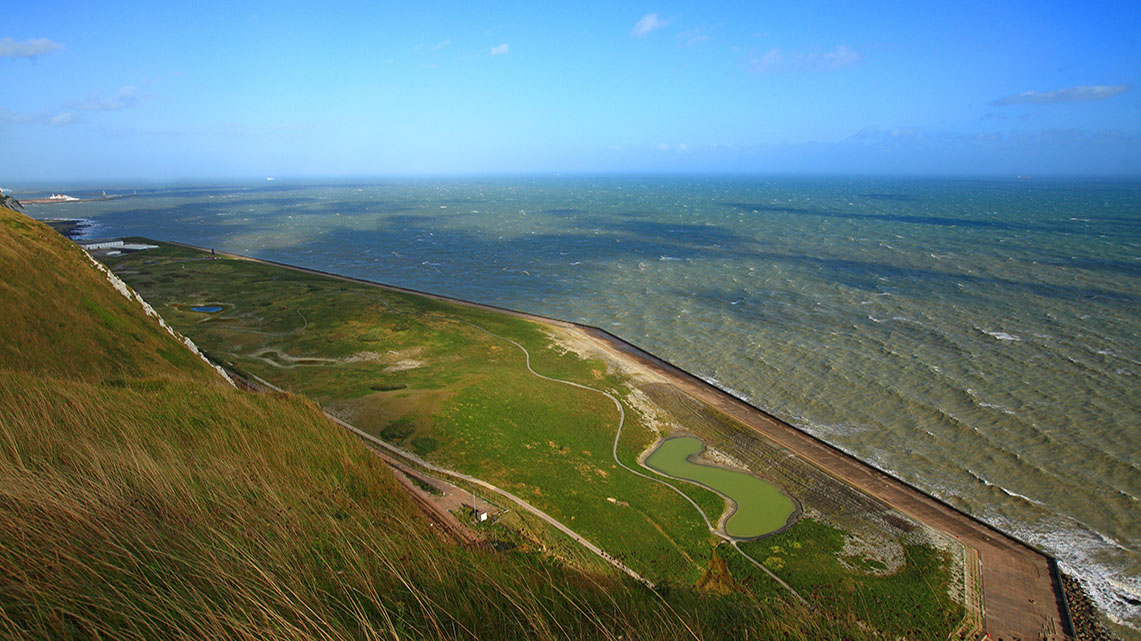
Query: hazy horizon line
[100, 182]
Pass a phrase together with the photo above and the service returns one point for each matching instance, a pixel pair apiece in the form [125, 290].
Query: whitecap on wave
[1002, 489]
[995, 406]
[728, 390]
[1002, 336]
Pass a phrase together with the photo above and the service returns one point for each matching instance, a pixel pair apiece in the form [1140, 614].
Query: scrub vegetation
[907, 603]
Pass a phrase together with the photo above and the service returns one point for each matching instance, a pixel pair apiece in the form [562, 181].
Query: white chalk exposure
[130, 294]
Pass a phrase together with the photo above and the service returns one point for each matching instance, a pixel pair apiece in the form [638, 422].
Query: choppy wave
[1002, 489]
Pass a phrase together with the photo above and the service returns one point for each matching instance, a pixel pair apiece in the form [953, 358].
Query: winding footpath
[614, 452]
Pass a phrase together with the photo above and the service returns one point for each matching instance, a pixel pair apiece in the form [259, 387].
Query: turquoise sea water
[978, 338]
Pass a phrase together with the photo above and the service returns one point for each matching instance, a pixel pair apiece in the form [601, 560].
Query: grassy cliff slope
[141, 496]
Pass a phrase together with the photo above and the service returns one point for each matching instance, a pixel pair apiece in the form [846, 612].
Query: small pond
[761, 507]
[209, 309]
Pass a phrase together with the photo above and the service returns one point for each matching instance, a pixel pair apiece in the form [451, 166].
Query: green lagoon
[761, 507]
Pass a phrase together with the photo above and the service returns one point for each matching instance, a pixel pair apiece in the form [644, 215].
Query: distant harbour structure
[57, 198]
[115, 247]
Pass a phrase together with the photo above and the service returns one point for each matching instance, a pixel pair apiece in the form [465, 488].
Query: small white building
[479, 515]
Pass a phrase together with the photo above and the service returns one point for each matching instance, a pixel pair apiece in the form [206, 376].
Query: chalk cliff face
[10, 202]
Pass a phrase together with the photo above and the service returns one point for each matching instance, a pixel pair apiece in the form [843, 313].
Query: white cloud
[37, 118]
[649, 22]
[16, 118]
[693, 37]
[125, 97]
[30, 48]
[893, 134]
[122, 99]
[777, 61]
[500, 50]
[443, 43]
[59, 120]
[1081, 93]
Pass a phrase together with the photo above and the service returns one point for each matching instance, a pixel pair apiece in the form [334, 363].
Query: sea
[978, 338]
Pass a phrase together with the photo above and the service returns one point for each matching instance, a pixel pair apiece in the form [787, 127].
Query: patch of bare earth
[571, 340]
[406, 364]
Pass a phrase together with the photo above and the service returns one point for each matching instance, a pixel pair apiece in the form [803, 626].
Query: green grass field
[761, 507]
[416, 372]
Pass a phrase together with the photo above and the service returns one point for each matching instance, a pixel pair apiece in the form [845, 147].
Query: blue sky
[133, 91]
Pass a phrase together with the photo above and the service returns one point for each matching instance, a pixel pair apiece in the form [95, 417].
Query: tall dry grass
[162, 508]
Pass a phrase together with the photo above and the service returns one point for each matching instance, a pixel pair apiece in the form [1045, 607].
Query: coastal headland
[1020, 594]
